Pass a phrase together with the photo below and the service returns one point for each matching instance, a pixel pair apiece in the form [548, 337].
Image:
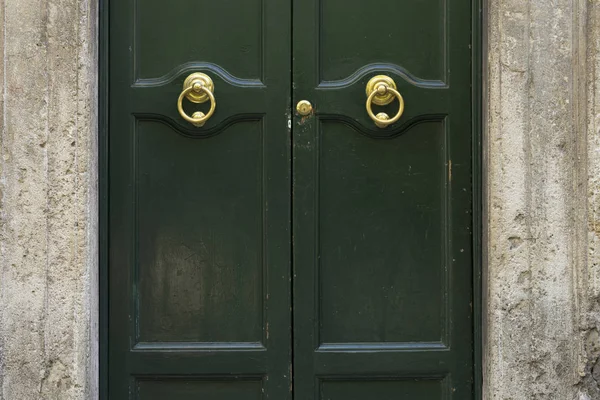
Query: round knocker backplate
[198, 97]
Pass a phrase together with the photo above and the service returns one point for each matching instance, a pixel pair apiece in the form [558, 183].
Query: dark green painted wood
[103, 126]
[386, 227]
[383, 389]
[382, 219]
[194, 389]
[479, 37]
[199, 219]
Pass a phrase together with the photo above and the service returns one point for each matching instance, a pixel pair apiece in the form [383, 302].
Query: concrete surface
[543, 161]
[48, 228]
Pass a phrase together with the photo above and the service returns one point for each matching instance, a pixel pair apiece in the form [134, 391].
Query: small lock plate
[304, 107]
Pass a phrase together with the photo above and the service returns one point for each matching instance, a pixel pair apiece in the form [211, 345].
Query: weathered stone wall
[543, 162]
[588, 279]
[543, 200]
[48, 206]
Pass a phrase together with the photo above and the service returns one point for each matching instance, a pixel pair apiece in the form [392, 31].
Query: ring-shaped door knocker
[197, 88]
[381, 90]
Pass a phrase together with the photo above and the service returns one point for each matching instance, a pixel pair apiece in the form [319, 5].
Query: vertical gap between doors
[291, 133]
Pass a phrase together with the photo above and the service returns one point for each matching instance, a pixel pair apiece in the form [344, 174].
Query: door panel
[227, 33]
[199, 280]
[384, 389]
[353, 34]
[186, 389]
[382, 217]
[199, 218]
[370, 211]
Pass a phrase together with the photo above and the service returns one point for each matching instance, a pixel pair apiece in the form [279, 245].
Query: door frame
[479, 162]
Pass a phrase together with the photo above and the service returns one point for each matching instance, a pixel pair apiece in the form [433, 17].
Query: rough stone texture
[48, 200]
[543, 155]
[588, 282]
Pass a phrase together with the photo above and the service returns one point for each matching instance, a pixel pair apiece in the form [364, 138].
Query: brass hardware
[381, 90]
[381, 99]
[381, 117]
[197, 115]
[197, 88]
[304, 107]
[198, 97]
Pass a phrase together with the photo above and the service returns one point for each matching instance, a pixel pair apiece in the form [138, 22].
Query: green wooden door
[269, 254]
[382, 218]
[199, 218]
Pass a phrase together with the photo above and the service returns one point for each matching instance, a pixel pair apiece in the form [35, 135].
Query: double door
[290, 200]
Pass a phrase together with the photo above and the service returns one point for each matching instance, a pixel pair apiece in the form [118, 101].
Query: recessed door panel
[189, 389]
[200, 242]
[384, 389]
[226, 33]
[381, 270]
[407, 34]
